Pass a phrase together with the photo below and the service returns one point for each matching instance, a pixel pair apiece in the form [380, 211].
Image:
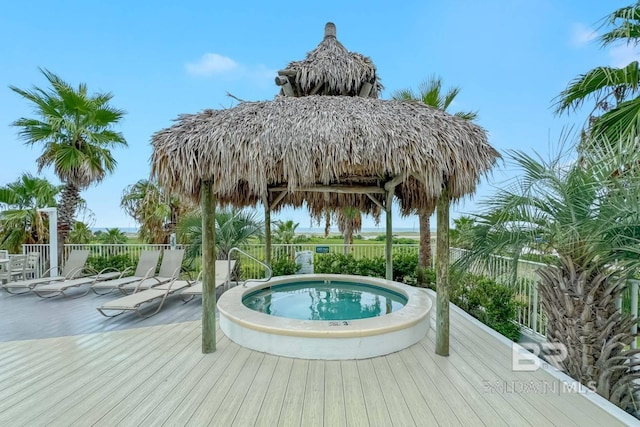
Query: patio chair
[14, 269]
[32, 269]
[223, 276]
[169, 270]
[135, 301]
[146, 268]
[74, 267]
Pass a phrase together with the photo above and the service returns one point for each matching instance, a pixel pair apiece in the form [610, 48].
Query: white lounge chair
[52, 289]
[223, 276]
[146, 268]
[74, 267]
[135, 301]
[169, 270]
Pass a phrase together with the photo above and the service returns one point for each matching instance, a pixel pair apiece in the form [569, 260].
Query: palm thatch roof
[296, 143]
[330, 69]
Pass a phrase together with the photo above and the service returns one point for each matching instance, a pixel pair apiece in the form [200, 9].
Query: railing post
[534, 314]
[634, 311]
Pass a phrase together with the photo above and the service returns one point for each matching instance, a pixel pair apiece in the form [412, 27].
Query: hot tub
[333, 317]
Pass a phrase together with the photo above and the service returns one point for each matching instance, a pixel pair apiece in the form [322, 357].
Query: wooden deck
[157, 376]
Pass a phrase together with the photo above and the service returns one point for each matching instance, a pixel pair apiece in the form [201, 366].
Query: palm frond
[599, 84]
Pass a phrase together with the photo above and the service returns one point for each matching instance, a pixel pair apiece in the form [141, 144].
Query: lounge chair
[169, 270]
[134, 301]
[73, 268]
[223, 276]
[146, 268]
[52, 289]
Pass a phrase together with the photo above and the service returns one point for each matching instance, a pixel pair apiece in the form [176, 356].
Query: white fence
[500, 269]
[530, 314]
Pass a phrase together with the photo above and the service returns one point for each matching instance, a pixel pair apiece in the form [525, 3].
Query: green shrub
[284, 266]
[404, 266]
[396, 240]
[119, 262]
[302, 238]
[335, 263]
[425, 277]
[492, 303]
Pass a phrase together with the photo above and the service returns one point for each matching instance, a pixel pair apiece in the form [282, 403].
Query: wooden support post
[208, 206]
[286, 85]
[389, 188]
[365, 90]
[442, 275]
[389, 243]
[267, 232]
[374, 200]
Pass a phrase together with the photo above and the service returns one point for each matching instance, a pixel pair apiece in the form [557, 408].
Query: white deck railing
[530, 313]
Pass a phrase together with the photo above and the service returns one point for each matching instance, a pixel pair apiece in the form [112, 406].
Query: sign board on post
[304, 259]
[322, 249]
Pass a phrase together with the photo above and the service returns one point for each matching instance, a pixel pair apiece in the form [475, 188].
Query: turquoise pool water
[325, 301]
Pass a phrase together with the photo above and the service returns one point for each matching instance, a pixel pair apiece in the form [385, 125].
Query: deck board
[291, 412]
[247, 413]
[269, 411]
[334, 401]
[155, 375]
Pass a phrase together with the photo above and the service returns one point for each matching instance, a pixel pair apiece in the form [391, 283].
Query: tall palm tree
[76, 132]
[234, 227]
[588, 213]
[431, 93]
[20, 221]
[157, 213]
[349, 222]
[613, 91]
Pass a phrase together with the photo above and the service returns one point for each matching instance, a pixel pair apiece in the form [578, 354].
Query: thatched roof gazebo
[330, 69]
[326, 152]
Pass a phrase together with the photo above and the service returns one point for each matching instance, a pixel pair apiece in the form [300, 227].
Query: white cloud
[581, 34]
[210, 64]
[621, 55]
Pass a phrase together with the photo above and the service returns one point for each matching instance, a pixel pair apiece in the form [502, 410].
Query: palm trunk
[424, 259]
[66, 211]
[582, 316]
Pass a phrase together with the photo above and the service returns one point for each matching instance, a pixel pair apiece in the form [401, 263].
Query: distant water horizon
[299, 230]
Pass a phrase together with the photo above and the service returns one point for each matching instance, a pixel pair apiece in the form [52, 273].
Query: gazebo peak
[330, 69]
[330, 30]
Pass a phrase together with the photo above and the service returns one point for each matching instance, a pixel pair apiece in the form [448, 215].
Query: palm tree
[234, 227]
[285, 231]
[613, 90]
[157, 213]
[430, 92]
[112, 236]
[75, 131]
[80, 234]
[461, 235]
[588, 214]
[349, 222]
[20, 221]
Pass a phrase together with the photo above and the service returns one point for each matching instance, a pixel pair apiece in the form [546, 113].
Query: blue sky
[160, 59]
